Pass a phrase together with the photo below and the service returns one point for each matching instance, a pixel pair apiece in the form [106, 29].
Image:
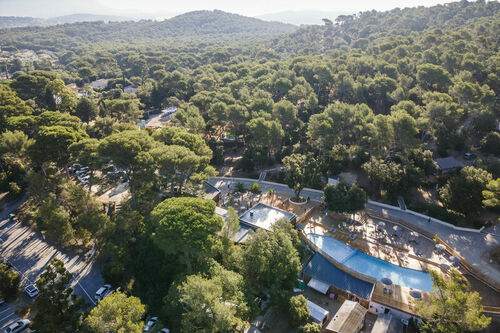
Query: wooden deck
[399, 298]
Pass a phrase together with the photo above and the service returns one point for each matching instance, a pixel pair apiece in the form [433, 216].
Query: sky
[137, 8]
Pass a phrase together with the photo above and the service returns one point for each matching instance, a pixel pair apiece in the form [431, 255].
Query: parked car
[469, 156]
[84, 178]
[31, 291]
[164, 330]
[150, 324]
[103, 292]
[18, 326]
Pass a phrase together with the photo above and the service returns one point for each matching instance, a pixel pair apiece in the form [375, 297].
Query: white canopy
[318, 314]
[318, 285]
[440, 247]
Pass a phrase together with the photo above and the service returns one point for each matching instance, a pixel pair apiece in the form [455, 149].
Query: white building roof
[317, 312]
[264, 216]
[318, 285]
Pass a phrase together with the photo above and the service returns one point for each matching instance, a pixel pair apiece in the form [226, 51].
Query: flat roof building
[264, 216]
[447, 164]
[318, 314]
[349, 318]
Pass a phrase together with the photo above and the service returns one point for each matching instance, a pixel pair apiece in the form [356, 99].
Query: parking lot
[7, 316]
[28, 253]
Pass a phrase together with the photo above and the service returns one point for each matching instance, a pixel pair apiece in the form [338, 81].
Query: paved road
[474, 247]
[222, 184]
[29, 254]
[7, 316]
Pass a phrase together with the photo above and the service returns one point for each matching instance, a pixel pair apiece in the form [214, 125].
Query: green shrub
[299, 312]
[9, 282]
[310, 328]
[255, 188]
[14, 190]
[240, 187]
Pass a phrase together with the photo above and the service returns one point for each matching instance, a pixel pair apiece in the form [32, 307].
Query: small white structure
[132, 89]
[101, 83]
[333, 180]
[318, 285]
[318, 314]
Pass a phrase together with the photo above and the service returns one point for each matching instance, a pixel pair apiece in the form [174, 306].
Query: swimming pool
[371, 266]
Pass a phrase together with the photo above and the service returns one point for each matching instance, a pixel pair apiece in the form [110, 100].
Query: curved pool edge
[422, 285]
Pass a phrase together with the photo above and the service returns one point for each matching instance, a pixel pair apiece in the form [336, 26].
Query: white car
[31, 291]
[18, 326]
[150, 324]
[103, 292]
[164, 330]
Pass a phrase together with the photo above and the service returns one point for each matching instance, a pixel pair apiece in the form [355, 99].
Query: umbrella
[386, 281]
[415, 294]
[414, 234]
[455, 260]
[380, 225]
[440, 247]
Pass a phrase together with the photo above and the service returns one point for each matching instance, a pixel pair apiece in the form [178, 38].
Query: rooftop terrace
[264, 216]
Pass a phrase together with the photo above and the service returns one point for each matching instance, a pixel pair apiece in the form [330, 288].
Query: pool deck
[396, 250]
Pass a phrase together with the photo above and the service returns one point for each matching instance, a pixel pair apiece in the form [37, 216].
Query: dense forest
[207, 24]
[379, 94]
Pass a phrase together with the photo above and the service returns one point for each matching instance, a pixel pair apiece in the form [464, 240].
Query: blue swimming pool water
[371, 266]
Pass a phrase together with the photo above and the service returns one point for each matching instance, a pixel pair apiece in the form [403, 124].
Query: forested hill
[197, 24]
[16, 21]
[365, 28]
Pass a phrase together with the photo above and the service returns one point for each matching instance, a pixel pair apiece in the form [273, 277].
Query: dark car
[469, 156]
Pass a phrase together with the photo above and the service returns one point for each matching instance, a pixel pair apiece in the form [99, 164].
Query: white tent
[318, 285]
[318, 314]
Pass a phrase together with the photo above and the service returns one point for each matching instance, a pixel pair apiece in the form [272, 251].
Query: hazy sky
[46, 8]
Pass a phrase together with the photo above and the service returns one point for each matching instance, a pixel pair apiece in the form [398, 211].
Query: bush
[14, 190]
[310, 328]
[9, 282]
[299, 312]
[240, 187]
[255, 188]
[490, 144]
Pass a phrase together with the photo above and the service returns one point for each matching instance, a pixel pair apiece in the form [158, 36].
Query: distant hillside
[73, 18]
[371, 27]
[15, 21]
[307, 17]
[197, 24]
